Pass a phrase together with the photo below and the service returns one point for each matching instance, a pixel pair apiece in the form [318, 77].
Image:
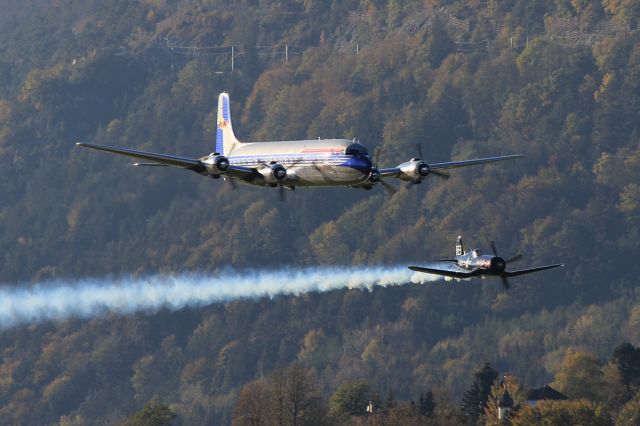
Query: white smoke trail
[59, 300]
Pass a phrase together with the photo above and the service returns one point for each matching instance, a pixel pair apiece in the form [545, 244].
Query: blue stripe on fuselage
[249, 160]
[359, 163]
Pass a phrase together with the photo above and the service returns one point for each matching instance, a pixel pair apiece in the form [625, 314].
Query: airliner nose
[361, 164]
[368, 163]
[371, 169]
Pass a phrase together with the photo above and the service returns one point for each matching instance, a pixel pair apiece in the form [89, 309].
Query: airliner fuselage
[307, 162]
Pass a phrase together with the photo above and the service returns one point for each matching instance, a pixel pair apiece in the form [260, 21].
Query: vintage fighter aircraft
[290, 164]
[475, 264]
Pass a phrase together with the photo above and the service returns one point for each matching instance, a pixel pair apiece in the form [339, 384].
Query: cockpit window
[476, 253]
[356, 149]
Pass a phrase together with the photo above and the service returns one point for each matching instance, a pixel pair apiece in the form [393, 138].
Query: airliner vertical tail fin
[225, 139]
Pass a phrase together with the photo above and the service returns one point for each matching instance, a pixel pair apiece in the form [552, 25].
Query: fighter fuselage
[483, 263]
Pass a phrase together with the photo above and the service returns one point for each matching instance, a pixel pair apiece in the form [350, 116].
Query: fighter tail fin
[459, 247]
[225, 139]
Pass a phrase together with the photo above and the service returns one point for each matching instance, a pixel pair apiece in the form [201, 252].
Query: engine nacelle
[216, 164]
[414, 170]
[374, 176]
[273, 173]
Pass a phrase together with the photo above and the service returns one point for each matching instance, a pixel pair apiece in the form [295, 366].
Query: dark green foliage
[350, 399]
[627, 358]
[154, 413]
[427, 404]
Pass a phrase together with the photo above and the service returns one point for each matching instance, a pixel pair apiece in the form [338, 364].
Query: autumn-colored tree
[294, 398]
[629, 414]
[559, 413]
[252, 408]
[580, 377]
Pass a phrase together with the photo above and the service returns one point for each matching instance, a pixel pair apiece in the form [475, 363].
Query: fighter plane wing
[445, 269]
[528, 271]
[162, 159]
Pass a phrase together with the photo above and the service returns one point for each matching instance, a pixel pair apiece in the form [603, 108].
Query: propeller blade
[431, 171]
[493, 248]
[376, 157]
[514, 258]
[281, 193]
[231, 182]
[440, 174]
[505, 283]
[390, 189]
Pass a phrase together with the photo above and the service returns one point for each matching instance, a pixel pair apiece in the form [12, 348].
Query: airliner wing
[169, 160]
[164, 159]
[396, 171]
[528, 271]
[390, 172]
[447, 270]
[465, 163]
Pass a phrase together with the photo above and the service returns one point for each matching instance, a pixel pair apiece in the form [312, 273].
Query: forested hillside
[556, 80]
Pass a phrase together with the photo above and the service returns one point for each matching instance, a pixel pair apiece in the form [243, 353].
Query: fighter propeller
[501, 264]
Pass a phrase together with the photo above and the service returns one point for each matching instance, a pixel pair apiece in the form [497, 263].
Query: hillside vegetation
[556, 80]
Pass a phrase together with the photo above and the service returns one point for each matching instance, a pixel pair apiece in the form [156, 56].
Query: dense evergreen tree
[627, 358]
[476, 396]
[427, 404]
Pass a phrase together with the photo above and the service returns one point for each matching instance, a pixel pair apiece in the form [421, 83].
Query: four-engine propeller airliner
[475, 264]
[290, 164]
